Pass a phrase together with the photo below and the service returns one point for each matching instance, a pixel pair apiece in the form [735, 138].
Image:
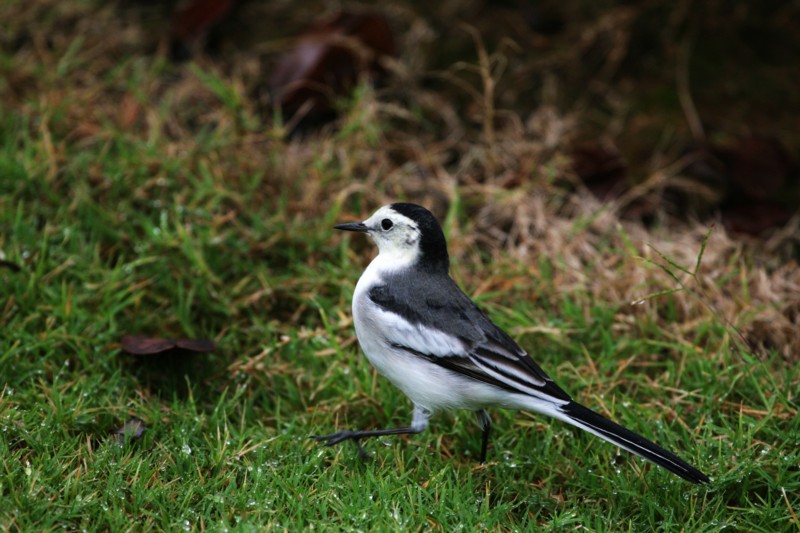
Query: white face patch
[397, 237]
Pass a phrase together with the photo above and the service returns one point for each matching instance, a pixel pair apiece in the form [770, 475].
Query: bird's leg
[485, 421]
[355, 436]
[418, 425]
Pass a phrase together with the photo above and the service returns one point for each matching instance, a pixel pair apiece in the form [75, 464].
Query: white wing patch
[417, 337]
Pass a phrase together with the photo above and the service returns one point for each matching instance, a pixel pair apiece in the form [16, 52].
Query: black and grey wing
[441, 324]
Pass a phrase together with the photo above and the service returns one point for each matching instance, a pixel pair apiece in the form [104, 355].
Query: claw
[333, 439]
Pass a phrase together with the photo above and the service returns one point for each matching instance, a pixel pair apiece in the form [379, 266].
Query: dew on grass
[397, 519]
[186, 450]
[186, 525]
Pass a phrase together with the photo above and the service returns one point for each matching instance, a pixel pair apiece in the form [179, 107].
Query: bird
[426, 336]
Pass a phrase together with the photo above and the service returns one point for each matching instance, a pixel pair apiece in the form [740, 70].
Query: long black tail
[592, 422]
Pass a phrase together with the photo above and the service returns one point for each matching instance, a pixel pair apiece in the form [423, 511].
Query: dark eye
[386, 224]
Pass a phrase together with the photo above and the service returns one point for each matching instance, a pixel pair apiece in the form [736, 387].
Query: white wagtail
[426, 336]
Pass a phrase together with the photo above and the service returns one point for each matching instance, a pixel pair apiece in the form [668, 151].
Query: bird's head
[408, 234]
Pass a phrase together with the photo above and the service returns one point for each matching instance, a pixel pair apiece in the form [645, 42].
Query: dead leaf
[755, 217]
[129, 111]
[601, 167]
[133, 429]
[193, 20]
[153, 345]
[759, 166]
[329, 58]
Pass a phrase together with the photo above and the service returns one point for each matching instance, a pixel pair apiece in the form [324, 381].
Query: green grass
[227, 442]
[198, 223]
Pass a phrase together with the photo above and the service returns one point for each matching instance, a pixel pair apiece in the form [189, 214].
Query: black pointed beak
[353, 226]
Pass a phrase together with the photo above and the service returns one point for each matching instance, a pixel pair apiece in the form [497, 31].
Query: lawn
[142, 197]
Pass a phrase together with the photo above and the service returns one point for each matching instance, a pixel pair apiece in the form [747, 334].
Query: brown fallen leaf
[129, 111]
[755, 217]
[133, 429]
[601, 167]
[192, 20]
[759, 167]
[153, 345]
[752, 181]
[328, 59]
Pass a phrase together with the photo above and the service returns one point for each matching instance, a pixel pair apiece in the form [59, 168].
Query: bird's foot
[340, 436]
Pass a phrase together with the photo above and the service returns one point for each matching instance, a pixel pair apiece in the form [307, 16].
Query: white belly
[426, 384]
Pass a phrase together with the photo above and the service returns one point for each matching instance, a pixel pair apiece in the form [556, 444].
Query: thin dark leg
[485, 422]
[355, 436]
[418, 424]
[485, 444]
